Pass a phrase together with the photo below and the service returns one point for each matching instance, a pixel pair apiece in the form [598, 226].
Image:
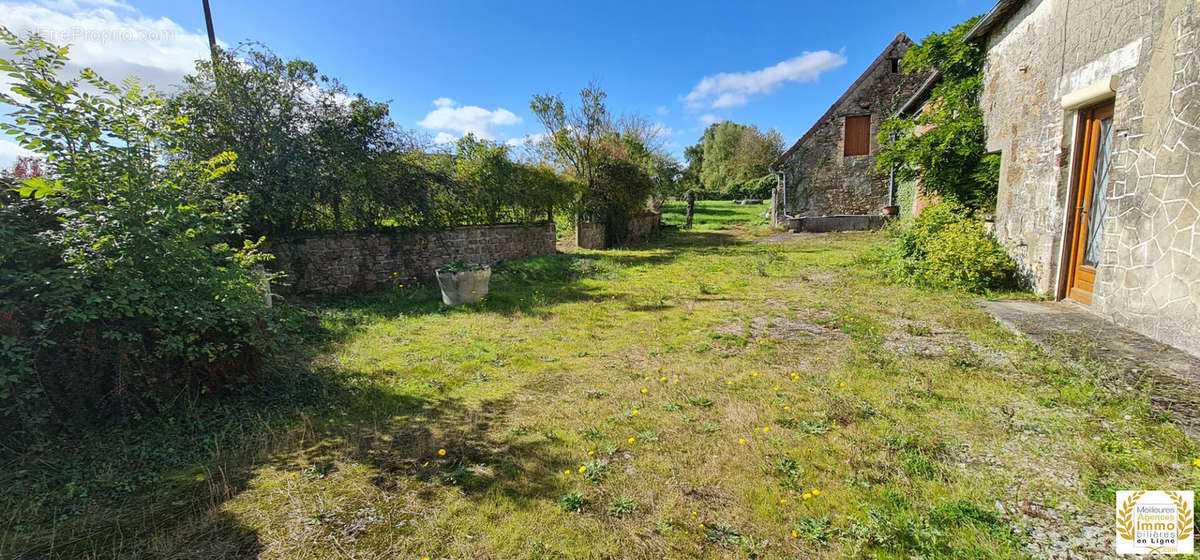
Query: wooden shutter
[858, 136]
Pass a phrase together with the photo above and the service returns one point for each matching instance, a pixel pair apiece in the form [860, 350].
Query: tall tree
[729, 155]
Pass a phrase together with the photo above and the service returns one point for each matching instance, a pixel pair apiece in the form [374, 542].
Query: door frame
[1076, 176]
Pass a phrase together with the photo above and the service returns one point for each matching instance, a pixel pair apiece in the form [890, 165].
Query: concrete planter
[464, 286]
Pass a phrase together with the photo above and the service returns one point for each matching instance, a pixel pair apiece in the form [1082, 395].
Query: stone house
[830, 171]
[1094, 108]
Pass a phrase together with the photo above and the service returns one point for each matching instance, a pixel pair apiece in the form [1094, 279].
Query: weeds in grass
[815, 529]
[699, 401]
[622, 506]
[571, 502]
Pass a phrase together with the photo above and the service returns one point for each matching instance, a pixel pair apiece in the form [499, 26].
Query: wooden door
[1089, 199]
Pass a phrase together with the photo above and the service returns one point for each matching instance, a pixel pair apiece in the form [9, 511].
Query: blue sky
[682, 64]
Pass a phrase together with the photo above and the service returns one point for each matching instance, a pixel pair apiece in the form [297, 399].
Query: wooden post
[691, 208]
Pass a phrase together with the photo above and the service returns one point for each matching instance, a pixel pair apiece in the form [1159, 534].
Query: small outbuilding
[829, 174]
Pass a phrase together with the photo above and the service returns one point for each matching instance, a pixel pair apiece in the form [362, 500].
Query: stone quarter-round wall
[360, 262]
[593, 235]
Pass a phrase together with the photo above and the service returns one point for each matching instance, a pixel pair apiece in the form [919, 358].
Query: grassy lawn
[712, 215]
[701, 396]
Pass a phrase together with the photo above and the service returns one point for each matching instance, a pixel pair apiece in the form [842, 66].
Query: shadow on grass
[158, 486]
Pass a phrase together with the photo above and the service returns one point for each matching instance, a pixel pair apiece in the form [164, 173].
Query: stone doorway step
[1063, 327]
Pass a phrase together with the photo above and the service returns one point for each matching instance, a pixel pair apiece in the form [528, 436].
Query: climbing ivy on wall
[949, 158]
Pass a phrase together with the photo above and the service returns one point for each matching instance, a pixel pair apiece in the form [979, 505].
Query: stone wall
[593, 235]
[365, 262]
[823, 182]
[641, 227]
[589, 235]
[1148, 277]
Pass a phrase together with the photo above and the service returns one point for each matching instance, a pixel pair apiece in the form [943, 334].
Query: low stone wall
[641, 227]
[822, 224]
[592, 235]
[370, 261]
[589, 235]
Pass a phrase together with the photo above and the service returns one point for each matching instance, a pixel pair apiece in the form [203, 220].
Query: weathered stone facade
[1148, 274]
[364, 262]
[820, 180]
[593, 235]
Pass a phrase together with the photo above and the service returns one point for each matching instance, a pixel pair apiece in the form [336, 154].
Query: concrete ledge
[1068, 330]
[820, 224]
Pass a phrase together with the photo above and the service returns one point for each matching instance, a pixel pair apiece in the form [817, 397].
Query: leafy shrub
[947, 248]
[312, 157]
[571, 502]
[119, 289]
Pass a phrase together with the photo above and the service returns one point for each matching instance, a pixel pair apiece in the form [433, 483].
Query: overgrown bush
[947, 247]
[313, 158]
[124, 283]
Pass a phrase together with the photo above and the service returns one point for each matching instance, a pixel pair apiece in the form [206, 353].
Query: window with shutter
[858, 136]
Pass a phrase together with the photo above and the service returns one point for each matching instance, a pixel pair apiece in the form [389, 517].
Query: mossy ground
[700, 396]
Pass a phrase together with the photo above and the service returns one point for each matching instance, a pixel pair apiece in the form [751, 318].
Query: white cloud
[111, 37]
[526, 140]
[9, 151]
[660, 129]
[662, 110]
[444, 138]
[708, 118]
[735, 89]
[467, 119]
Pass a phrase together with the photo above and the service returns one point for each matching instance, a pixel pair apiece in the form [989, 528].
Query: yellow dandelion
[950, 351]
[818, 358]
[631, 440]
[292, 474]
[816, 492]
[663, 378]
[426, 464]
[754, 374]
[583, 469]
[635, 411]
[677, 380]
[808, 496]
[766, 429]
[782, 501]
[740, 442]
[729, 383]
[795, 534]
[786, 407]
[441, 452]
[643, 389]
[590, 453]
[843, 384]
[776, 388]
[567, 472]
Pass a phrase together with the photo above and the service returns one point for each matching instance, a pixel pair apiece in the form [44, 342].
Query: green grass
[713, 215]
[701, 396]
